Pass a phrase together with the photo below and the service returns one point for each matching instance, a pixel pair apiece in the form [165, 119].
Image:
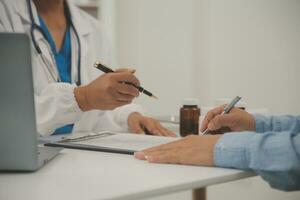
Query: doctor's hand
[138, 123]
[108, 91]
[191, 150]
[237, 120]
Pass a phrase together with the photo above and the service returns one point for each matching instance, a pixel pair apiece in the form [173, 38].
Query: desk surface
[76, 174]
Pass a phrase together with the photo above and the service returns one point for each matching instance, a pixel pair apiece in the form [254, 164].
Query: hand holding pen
[216, 113]
[106, 69]
[108, 91]
[236, 120]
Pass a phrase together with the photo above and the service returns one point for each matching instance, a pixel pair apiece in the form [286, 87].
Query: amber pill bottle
[189, 117]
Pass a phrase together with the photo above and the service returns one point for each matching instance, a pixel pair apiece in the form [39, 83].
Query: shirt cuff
[232, 150]
[260, 123]
[69, 99]
[56, 106]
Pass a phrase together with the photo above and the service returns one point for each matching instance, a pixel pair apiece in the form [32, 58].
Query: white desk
[81, 175]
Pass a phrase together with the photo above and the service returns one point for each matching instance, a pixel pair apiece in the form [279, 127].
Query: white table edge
[184, 187]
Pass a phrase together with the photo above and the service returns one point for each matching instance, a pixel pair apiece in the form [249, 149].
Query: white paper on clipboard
[129, 141]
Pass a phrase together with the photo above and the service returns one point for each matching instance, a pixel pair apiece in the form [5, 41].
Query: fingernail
[139, 155]
[149, 158]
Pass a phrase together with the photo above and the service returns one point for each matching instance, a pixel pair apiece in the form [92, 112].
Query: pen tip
[96, 64]
[154, 97]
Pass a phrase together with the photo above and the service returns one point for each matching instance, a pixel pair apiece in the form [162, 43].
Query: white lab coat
[55, 104]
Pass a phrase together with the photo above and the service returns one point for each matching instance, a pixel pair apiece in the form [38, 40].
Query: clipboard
[90, 148]
[110, 142]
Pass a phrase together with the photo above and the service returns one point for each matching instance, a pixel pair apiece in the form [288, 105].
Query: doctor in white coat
[70, 94]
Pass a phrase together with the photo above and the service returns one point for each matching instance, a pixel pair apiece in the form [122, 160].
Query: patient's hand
[191, 150]
[237, 120]
[138, 123]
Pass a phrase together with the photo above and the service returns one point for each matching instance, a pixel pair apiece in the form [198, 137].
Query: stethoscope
[35, 27]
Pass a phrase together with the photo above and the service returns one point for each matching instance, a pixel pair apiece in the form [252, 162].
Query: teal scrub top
[63, 63]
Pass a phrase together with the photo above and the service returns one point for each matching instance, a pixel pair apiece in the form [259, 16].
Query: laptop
[19, 149]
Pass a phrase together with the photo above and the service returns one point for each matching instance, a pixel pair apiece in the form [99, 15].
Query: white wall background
[251, 48]
[156, 38]
[210, 49]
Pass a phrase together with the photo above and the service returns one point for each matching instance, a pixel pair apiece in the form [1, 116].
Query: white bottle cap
[222, 101]
[190, 102]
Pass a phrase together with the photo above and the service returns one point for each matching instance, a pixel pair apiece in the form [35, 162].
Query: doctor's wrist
[81, 98]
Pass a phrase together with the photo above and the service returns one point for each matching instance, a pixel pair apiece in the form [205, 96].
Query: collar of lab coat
[81, 27]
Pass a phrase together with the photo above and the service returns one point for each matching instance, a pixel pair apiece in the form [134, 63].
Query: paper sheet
[128, 141]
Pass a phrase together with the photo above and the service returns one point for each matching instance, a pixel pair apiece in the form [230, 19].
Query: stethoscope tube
[35, 26]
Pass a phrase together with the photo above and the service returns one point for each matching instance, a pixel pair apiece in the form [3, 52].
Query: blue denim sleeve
[275, 157]
[285, 123]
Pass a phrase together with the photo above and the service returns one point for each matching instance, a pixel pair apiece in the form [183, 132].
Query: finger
[179, 143]
[135, 127]
[142, 156]
[163, 147]
[156, 149]
[168, 133]
[124, 102]
[210, 115]
[150, 125]
[124, 97]
[124, 88]
[220, 121]
[164, 131]
[139, 155]
[126, 77]
[167, 157]
[156, 128]
[130, 70]
[158, 152]
[117, 98]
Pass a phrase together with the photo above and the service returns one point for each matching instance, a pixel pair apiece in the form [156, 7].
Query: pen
[106, 69]
[226, 110]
